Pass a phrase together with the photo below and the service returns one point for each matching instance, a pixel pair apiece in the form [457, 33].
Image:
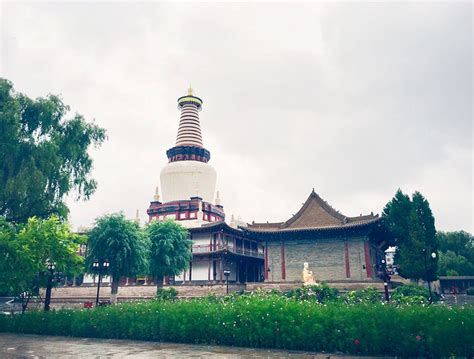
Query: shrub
[321, 293]
[409, 290]
[366, 295]
[269, 321]
[470, 291]
[166, 294]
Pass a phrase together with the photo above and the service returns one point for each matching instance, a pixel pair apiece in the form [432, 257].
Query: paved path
[35, 346]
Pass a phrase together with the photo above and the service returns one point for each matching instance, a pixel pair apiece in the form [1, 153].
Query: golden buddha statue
[308, 276]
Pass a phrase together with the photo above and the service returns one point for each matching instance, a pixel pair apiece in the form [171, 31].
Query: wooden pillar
[209, 269]
[283, 264]
[190, 270]
[221, 269]
[368, 266]
[265, 262]
[346, 254]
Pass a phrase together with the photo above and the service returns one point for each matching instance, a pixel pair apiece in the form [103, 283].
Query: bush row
[322, 293]
[269, 321]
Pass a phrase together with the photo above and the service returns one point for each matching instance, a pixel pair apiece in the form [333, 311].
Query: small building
[336, 247]
[217, 247]
[455, 284]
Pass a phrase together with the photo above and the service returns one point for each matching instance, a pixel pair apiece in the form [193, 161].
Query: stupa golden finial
[190, 91]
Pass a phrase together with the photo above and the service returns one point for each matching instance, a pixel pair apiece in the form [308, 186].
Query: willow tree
[122, 243]
[44, 155]
[170, 249]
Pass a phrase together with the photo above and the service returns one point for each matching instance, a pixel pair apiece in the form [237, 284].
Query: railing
[208, 248]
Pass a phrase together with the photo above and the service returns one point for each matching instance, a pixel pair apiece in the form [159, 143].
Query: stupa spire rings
[188, 175]
[190, 99]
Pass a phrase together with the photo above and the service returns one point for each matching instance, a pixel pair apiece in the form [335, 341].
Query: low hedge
[269, 321]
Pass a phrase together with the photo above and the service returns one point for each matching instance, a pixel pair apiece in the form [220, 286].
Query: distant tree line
[456, 254]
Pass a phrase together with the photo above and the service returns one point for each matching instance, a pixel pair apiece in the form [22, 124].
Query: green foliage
[166, 294]
[411, 294]
[25, 249]
[451, 273]
[122, 243]
[270, 321]
[460, 242]
[456, 255]
[44, 155]
[452, 264]
[412, 300]
[396, 215]
[411, 224]
[366, 295]
[170, 250]
[321, 293]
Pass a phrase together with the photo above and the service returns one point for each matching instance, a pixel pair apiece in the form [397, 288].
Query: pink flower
[357, 342]
[418, 337]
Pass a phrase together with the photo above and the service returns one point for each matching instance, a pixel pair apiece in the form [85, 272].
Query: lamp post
[99, 265]
[47, 300]
[227, 274]
[433, 256]
[386, 279]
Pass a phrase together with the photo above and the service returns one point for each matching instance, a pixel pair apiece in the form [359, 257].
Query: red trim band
[346, 254]
[283, 265]
[367, 260]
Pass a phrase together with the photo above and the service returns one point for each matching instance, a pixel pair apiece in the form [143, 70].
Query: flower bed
[269, 321]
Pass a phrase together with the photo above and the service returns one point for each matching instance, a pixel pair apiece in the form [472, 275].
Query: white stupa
[188, 181]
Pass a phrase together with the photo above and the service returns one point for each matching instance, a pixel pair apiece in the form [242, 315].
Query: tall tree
[412, 225]
[44, 155]
[170, 251]
[26, 249]
[122, 243]
[396, 218]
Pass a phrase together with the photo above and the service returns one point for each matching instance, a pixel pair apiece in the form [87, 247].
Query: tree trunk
[159, 281]
[114, 291]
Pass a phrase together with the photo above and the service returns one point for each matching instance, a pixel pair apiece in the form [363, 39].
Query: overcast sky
[354, 99]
